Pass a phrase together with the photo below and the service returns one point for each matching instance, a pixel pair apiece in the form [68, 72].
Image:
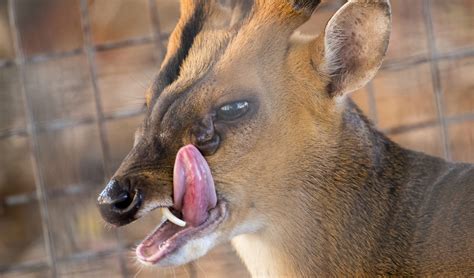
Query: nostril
[123, 201]
[118, 204]
[127, 203]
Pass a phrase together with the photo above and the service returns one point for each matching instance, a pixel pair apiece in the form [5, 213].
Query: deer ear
[354, 44]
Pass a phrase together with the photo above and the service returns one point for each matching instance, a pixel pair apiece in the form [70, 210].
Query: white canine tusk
[172, 218]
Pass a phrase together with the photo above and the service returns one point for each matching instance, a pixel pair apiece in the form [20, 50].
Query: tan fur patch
[148, 96]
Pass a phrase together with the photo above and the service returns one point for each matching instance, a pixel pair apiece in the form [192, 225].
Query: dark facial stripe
[170, 72]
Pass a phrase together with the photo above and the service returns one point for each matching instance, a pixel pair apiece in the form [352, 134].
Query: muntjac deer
[249, 137]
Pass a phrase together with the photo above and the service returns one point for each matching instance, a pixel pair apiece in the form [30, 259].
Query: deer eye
[232, 111]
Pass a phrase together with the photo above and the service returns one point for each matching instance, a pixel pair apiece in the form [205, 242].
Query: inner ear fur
[354, 44]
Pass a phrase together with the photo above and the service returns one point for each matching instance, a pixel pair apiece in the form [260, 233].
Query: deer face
[241, 110]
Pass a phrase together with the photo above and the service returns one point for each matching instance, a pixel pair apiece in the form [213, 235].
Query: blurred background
[72, 79]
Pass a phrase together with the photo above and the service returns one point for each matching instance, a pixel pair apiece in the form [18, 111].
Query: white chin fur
[192, 250]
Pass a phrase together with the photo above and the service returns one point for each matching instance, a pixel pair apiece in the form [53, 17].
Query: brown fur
[313, 188]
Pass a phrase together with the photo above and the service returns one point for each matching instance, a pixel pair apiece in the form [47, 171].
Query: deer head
[262, 107]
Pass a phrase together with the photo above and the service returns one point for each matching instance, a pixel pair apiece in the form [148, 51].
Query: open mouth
[169, 237]
[195, 213]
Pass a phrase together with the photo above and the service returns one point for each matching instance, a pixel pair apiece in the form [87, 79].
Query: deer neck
[355, 219]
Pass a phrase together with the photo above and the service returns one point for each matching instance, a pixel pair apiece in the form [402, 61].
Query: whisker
[186, 271]
[148, 76]
[107, 226]
[141, 83]
[132, 255]
[200, 268]
[138, 272]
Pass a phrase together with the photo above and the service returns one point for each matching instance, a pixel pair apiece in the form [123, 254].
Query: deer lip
[168, 237]
[194, 200]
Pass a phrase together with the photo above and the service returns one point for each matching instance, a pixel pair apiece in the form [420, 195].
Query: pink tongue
[193, 187]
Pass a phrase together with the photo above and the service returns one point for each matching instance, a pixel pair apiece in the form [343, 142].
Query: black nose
[118, 204]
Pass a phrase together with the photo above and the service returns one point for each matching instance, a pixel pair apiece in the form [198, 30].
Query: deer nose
[118, 204]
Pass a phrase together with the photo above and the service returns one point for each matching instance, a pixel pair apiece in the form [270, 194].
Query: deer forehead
[209, 38]
[229, 55]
